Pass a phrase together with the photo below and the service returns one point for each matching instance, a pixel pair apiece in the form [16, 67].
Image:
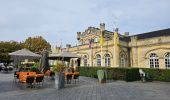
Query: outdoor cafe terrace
[85, 89]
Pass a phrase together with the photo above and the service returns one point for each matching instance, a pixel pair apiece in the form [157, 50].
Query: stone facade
[131, 51]
[144, 47]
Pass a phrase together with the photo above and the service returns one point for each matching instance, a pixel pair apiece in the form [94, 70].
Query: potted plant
[35, 69]
[102, 75]
[59, 75]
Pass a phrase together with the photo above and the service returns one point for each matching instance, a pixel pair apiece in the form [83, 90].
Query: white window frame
[98, 60]
[153, 60]
[107, 60]
[167, 60]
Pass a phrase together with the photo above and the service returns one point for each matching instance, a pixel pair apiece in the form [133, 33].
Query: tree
[36, 44]
[7, 47]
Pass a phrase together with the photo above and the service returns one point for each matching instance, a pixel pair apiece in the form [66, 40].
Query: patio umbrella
[23, 54]
[64, 56]
[44, 64]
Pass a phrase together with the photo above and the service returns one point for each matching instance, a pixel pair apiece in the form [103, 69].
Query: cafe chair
[68, 78]
[76, 77]
[29, 81]
[39, 80]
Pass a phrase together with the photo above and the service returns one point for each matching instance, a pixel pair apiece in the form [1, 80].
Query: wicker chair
[39, 80]
[68, 78]
[76, 77]
[28, 81]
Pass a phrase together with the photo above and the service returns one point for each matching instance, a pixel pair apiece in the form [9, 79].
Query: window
[167, 60]
[154, 60]
[122, 60]
[96, 40]
[98, 60]
[107, 60]
[85, 60]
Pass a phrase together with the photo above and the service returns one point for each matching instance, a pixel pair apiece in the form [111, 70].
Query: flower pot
[56, 80]
[59, 80]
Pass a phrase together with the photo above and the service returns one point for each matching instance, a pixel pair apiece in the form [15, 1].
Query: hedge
[158, 74]
[127, 74]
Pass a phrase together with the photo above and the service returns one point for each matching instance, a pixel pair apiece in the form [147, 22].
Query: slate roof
[164, 32]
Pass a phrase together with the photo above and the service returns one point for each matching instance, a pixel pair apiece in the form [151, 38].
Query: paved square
[85, 89]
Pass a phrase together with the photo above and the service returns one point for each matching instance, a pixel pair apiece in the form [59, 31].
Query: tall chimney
[126, 33]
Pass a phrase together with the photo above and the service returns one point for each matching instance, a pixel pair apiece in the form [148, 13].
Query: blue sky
[60, 20]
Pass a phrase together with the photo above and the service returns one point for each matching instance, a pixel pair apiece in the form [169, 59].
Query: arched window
[85, 60]
[122, 60]
[154, 60]
[98, 60]
[107, 60]
[167, 60]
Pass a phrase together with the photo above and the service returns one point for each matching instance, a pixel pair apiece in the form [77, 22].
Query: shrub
[59, 67]
[132, 74]
[127, 74]
[158, 74]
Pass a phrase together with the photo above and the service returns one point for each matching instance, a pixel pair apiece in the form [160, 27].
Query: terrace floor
[85, 89]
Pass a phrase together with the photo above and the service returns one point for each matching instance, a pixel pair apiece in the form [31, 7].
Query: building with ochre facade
[146, 50]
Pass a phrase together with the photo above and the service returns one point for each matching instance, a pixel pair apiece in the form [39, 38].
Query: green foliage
[36, 44]
[132, 74]
[127, 74]
[19, 65]
[8, 47]
[36, 64]
[159, 74]
[35, 69]
[117, 73]
[59, 67]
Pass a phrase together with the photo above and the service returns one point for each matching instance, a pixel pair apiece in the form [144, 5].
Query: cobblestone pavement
[85, 89]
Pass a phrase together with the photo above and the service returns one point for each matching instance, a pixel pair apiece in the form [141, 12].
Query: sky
[58, 21]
